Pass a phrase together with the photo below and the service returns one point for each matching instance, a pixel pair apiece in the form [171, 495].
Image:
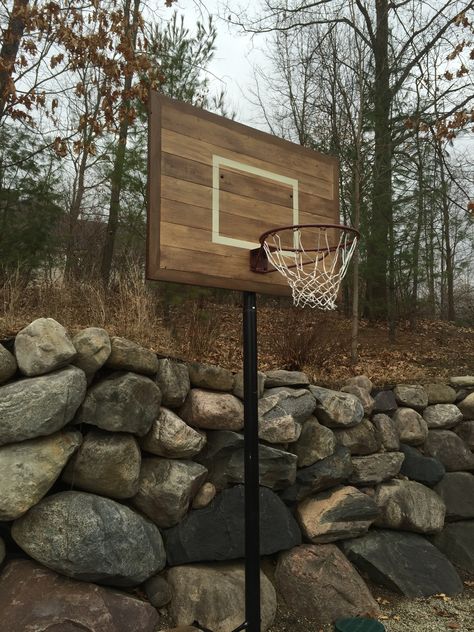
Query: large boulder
[439, 393]
[324, 474]
[386, 432]
[33, 599]
[409, 506]
[465, 430]
[456, 541]
[278, 401]
[423, 469]
[450, 449]
[411, 427]
[8, 364]
[210, 376]
[466, 406]
[43, 346]
[167, 488]
[93, 348]
[171, 437]
[403, 562]
[29, 469]
[213, 597]
[442, 415]
[385, 402]
[126, 355]
[411, 396]
[280, 377]
[91, 538]
[315, 442]
[106, 463]
[359, 440]
[223, 456]
[317, 582]
[375, 468]
[173, 380]
[457, 492]
[216, 533]
[39, 406]
[335, 409]
[337, 514]
[212, 411]
[123, 402]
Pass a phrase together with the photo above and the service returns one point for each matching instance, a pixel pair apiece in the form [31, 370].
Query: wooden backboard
[214, 186]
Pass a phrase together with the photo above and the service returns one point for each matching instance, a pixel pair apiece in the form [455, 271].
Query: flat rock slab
[318, 582]
[212, 411]
[215, 378]
[173, 380]
[279, 377]
[403, 562]
[457, 491]
[91, 538]
[462, 381]
[39, 406]
[442, 415]
[450, 449]
[216, 533]
[126, 355]
[456, 541]
[423, 469]
[33, 598]
[213, 596]
[337, 514]
[43, 346]
[411, 396]
[29, 469]
[335, 409]
[375, 468]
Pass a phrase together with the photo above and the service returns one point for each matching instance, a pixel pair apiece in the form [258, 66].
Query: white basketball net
[315, 273]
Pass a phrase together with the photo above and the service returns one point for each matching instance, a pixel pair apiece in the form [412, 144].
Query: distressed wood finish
[215, 185]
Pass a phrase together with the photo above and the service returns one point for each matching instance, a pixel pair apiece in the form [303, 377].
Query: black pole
[252, 517]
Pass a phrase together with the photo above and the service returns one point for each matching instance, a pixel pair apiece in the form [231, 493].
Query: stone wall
[120, 470]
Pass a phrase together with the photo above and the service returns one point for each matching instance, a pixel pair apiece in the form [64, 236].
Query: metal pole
[252, 490]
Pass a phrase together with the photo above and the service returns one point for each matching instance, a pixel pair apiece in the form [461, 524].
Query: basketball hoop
[312, 257]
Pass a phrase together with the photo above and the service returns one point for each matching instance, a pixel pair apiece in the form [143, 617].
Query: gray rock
[337, 410]
[167, 488]
[212, 411]
[363, 395]
[361, 439]
[34, 599]
[385, 402]
[386, 432]
[423, 469]
[442, 415]
[8, 364]
[411, 396]
[328, 472]
[279, 377]
[457, 492]
[29, 469]
[91, 538]
[158, 591]
[466, 406]
[107, 464]
[204, 496]
[373, 469]
[123, 402]
[316, 442]
[171, 437]
[239, 384]
[126, 355]
[440, 393]
[279, 430]
[173, 380]
[409, 506]
[450, 449]
[465, 430]
[215, 378]
[405, 563]
[93, 349]
[317, 582]
[213, 597]
[278, 401]
[362, 381]
[39, 406]
[337, 514]
[223, 456]
[456, 542]
[462, 381]
[411, 427]
[43, 346]
[216, 533]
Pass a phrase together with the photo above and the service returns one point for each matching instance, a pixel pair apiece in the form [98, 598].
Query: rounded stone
[158, 591]
[91, 538]
[411, 427]
[442, 415]
[411, 396]
[363, 395]
[8, 365]
[126, 355]
[466, 406]
[361, 381]
[43, 346]
[439, 393]
[204, 496]
[171, 437]
[173, 380]
[93, 348]
[210, 376]
[212, 411]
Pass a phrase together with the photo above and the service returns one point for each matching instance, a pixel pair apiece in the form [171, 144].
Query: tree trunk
[448, 254]
[9, 50]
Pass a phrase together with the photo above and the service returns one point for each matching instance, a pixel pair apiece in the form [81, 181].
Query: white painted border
[217, 162]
